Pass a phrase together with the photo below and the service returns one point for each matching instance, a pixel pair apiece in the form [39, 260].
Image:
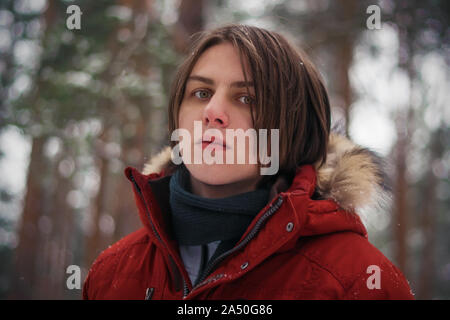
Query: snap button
[289, 227]
[244, 265]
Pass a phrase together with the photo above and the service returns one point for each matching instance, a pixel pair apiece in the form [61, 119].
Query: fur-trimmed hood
[353, 176]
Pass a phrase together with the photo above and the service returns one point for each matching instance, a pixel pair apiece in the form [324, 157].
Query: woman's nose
[215, 114]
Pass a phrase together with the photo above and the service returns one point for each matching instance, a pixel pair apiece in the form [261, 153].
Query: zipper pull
[149, 293]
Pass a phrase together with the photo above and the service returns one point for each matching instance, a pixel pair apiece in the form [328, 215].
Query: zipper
[147, 211]
[272, 209]
[185, 289]
[149, 293]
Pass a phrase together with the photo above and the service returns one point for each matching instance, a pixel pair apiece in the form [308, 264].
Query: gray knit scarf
[198, 221]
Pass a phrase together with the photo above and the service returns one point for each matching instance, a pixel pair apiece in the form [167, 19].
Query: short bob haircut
[289, 92]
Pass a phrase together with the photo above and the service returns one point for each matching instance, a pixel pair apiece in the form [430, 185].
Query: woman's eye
[202, 94]
[246, 100]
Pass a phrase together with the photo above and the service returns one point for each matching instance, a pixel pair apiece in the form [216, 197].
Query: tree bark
[94, 237]
[428, 222]
[344, 58]
[190, 21]
[26, 253]
[400, 197]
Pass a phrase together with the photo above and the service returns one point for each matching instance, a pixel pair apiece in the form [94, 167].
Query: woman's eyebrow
[237, 84]
[201, 79]
[242, 84]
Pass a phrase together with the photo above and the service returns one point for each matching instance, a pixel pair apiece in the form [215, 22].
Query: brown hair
[289, 91]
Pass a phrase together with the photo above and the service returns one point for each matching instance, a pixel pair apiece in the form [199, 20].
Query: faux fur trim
[352, 176]
[159, 162]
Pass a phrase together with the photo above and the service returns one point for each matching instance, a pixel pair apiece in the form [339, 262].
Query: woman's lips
[213, 142]
[214, 145]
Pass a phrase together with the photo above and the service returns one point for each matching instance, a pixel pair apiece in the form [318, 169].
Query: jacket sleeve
[385, 282]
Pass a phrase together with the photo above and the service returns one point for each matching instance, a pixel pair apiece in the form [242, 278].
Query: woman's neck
[222, 191]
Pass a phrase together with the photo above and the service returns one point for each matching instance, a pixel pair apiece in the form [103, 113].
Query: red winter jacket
[297, 247]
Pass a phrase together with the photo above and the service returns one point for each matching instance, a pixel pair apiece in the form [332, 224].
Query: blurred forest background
[78, 106]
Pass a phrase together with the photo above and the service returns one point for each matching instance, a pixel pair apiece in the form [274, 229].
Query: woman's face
[216, 97]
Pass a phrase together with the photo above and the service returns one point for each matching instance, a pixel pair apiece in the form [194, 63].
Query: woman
[222, 229]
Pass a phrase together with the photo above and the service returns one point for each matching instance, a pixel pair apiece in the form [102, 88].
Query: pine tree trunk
[27, 253]
[190, 21]
[400, 202]
[94, 237]
[346, 11]
[428, 222]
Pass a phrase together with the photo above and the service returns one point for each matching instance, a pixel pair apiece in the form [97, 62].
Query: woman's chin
[220, 174]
